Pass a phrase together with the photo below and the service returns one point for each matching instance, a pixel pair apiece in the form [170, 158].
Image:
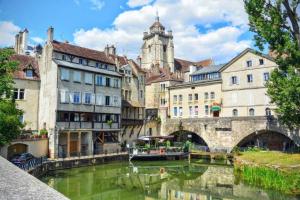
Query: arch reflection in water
[153, 181]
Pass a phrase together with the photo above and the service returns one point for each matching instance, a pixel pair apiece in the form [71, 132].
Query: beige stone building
[243, 87]
[26, 90]
[80, 99]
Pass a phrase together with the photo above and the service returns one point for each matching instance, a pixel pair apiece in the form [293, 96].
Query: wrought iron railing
[31, 164]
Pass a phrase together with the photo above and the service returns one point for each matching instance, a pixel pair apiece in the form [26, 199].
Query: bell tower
[158, 47]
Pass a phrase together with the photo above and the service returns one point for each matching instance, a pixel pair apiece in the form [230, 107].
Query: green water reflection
[155, 180]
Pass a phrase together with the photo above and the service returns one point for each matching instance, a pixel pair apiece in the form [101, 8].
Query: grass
[283, 161]
[270, 170]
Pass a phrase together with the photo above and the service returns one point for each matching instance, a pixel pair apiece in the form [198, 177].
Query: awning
[215, 108]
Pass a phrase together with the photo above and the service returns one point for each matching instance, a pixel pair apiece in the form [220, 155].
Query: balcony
[127, 122]
[87, 125]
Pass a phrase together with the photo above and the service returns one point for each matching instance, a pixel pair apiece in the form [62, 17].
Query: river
[156, 180]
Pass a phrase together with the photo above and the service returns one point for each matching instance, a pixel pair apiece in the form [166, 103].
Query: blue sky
[202, 29]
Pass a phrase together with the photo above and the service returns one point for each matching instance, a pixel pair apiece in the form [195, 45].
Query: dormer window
[63, 57]
[261, 61]
[29, 73]
[249, 63]
[80, 61]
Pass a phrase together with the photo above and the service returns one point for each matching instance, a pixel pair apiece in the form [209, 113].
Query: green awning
[215, 108]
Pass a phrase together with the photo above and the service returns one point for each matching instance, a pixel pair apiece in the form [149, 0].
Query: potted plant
[109, 122]
[44, 133]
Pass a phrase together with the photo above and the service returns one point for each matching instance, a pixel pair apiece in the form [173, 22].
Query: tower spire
[157, 17]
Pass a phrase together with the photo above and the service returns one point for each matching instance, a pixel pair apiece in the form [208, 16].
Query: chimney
[50, 33]
[17, 43]
[24, 41]
[106, 50]
[110, 50]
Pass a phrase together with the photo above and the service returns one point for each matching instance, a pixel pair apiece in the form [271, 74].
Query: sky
[202, 29]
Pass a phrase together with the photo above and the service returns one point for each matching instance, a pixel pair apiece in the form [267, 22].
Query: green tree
[10, 125]
[276, 25]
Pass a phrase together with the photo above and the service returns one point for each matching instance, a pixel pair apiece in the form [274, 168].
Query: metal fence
[31, 164]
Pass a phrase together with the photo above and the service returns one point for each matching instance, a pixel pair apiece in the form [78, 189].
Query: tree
[276, 25]
[10, 125]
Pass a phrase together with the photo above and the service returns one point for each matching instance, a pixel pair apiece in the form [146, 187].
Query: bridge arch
[269, 139]
[184, 135]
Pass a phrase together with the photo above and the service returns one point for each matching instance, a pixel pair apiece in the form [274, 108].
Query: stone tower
[158, 47]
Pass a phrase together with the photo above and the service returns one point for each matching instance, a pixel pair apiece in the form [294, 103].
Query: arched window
[235, 112]
[251, 112]
[149, 48]
[268, 112]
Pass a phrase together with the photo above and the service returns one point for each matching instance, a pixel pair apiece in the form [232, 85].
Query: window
[175, 98]
[180, 111]
[251, 112]
[206, 95]
[206, 108]
[164, 48]
[107, 82]
[162, 87]
[80, 61]
[64, 74]
[175, 111]
[99, 99]
[149, 48]
[249, 63]
[249, 78]
[129, 95]
[235, 112]
[180, 97]
[97, 65]
[196, 110]
[116, 83]
[116, 101]
[105, 66]
[76, 97]
[163, 101]
[74, 117]
[141, 94]
[63, 96]
[107, 100]
[99, 80]
[87, 98]
[261, 61]
[19, 94]
[190, 97]
[268, 112]
[21, 118]
[88, 78]
[212, 95]
[234, 80]
[63, 57]
[191, 110]
[77, 76]
[266, 76]
[196, 96]
[29, 73]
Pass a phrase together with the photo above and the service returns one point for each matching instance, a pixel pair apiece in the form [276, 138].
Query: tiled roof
[183, 65]
[162, 74]
[67, 48]
[209, 69]
[26, 62]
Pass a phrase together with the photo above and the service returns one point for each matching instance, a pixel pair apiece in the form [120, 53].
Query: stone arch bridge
[224, 133]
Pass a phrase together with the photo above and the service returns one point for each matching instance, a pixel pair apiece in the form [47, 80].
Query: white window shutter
[93, 99]
[98, 99]
[62, 96]
[71, 97]
[111, 100]
[237, 80]
[104, 80]
[80, 97]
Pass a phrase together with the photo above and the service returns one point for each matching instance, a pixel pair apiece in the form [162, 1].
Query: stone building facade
[80, 99]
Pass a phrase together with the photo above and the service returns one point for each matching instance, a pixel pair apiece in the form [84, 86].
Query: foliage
[109, 122]
[43, 132]
[10, 126]
[254, 149]
[158, 120]
[276, 23]
[270, 178]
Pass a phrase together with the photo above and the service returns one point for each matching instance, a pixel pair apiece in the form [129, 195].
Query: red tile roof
[26, 62]
[183, 65]
[67, 48]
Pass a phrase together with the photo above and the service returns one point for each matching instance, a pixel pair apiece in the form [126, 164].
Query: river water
[156, 180]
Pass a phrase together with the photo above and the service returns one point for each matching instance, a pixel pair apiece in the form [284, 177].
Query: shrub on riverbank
[269, 178]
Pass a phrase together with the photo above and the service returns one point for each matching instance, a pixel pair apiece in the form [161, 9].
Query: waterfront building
[244, 85]
[80, 99]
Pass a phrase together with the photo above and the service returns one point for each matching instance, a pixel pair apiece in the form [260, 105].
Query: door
[73, 147]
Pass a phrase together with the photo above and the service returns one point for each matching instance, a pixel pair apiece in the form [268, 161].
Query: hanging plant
[109, 122]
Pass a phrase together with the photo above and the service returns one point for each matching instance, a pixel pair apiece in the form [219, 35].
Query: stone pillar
[90, 142]
[68, 143]
[79, 143]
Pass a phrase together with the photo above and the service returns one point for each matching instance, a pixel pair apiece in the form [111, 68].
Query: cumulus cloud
[202, 29]
[8, 30]
[136, 3]
[97, 4]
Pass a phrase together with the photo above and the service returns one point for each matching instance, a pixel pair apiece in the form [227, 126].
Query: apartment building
[80, 99]
[243, 88]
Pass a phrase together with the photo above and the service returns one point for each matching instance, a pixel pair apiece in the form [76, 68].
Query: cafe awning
[215, 108]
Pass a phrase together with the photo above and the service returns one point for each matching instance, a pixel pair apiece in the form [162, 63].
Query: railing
[31, 164]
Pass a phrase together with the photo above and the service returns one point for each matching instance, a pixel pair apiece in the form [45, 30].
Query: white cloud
[77, 2]
[38, 40]
[136, 3]
[97, 4]
[8, 30]
[222, 24]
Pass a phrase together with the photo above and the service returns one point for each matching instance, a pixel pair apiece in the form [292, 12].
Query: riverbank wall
[60, 164]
